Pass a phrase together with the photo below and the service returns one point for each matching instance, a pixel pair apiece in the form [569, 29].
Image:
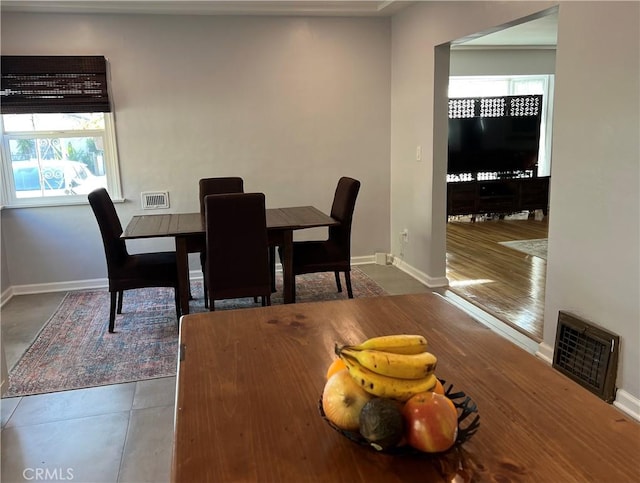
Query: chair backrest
[110, 227]
[219, 186]
[344, 203]
[237, 262]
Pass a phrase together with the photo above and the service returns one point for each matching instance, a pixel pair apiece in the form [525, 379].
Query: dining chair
[129, 271]
[334, 253]
[215, 186]
[237, 259]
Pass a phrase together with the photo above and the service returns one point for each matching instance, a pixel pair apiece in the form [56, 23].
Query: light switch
[419, 153]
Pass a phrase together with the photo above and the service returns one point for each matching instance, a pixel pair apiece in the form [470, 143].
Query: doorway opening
[497, 261]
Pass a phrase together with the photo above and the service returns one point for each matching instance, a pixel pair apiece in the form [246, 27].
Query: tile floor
[118, 433]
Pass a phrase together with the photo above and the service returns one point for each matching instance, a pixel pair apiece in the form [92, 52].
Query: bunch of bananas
[392, 366]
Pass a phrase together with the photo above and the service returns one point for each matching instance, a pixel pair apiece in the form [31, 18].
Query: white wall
[418, 193]
[288, 103]
[593, 267]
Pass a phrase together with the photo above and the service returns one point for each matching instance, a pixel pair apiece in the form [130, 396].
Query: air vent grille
[152, 200]
[587, 354]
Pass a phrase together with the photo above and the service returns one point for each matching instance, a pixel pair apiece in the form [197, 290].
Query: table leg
[288, 279]
[182, 258]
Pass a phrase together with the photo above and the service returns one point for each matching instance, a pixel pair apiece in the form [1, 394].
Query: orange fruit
[336, 366]
[439, 388]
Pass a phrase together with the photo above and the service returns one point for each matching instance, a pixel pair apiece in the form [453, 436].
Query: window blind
[53, 84]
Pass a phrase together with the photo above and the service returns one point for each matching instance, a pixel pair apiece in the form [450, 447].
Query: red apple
[431, 422]
[343, 399]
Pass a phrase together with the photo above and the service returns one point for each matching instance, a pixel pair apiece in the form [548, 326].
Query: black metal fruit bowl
[468, 423]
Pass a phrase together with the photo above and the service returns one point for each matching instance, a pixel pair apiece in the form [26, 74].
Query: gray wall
[503, 62]
[290, 104]
[593, 266]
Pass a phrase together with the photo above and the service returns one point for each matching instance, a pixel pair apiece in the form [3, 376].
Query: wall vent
[152, 200]
[587, 354]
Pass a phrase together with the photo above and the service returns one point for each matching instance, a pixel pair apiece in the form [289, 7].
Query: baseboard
[624, 401]
[628, 404]
[99, 283]
[493, 323]
[545, 352]
[363, 260]
[422, 277]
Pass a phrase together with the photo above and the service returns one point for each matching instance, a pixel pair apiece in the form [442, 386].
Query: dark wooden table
[188, 231]
[249, 383]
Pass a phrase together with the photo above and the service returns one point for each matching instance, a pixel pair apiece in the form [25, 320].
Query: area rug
[536, 247]
[75, 350]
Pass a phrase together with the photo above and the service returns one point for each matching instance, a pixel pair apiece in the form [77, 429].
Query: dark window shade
[51, 84]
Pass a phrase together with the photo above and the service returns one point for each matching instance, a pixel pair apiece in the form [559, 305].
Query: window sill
[53, 204]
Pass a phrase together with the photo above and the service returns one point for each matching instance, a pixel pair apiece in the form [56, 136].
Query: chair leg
[255, 300]
[266, 300]
[176, 295]
[347, 279]
[120, 297]
[112, 311]
[272, 267]
[294, 290]
[204, 286]
[338, 284]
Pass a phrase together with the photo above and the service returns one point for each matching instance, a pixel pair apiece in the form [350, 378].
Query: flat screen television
[493, 144]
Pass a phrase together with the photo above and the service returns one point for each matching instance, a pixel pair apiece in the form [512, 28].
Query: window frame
[8, 195]
[544, 157]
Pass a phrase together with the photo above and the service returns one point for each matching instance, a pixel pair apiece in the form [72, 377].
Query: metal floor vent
[152, 200]
[587, 354]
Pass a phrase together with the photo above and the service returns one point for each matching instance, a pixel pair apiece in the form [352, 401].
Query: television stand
[498, 196]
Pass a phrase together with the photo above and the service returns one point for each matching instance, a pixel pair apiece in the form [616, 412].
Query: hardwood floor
[504, 282]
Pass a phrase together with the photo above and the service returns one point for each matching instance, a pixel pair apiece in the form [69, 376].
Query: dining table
[249, 384]
[188, 230]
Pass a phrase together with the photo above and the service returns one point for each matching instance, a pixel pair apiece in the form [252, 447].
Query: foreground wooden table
[250, 380]
[189, 232]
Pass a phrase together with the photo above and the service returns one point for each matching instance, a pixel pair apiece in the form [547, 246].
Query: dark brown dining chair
[215, 186]
[334, 253]
[126, 271]
[237, 261]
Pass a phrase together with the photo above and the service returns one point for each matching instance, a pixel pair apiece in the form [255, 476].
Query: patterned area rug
[75, 350]
[536, 247]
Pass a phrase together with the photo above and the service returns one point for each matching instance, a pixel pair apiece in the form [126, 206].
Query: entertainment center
[493, 156]
[498, 196]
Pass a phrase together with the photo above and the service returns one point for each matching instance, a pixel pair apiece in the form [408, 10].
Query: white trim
[8, 194]
[419, 275]
[627, 403]
[624, 401]
[103, 283]
[364, 260]
[545, 352]
[495, 324]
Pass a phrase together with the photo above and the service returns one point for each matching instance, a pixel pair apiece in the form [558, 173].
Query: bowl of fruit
[384, 394]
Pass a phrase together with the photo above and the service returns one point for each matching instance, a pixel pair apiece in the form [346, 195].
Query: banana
[403, 366]
[384, 386]
[398, 344]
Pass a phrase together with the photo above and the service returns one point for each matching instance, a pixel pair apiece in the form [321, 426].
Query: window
[493, 86]
[58, 139]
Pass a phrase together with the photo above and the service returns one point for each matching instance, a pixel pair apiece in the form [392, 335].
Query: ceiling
[209, 7]
[540, 32]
